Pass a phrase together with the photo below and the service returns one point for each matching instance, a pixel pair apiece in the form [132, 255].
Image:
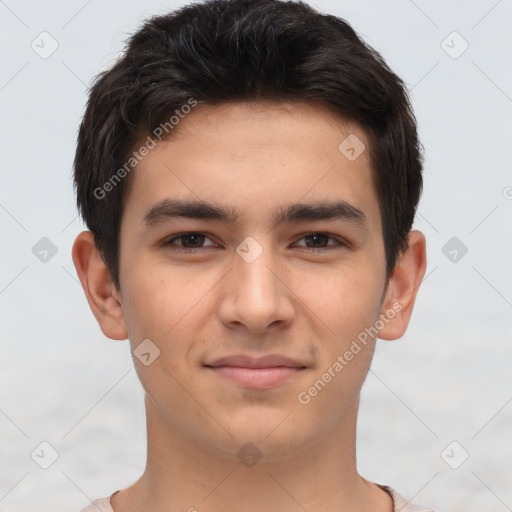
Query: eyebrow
[195, 209]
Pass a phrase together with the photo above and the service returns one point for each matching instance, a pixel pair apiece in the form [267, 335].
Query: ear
[104, 299]
[403, 287]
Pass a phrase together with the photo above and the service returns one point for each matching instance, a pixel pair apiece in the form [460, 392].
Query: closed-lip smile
[256, 372]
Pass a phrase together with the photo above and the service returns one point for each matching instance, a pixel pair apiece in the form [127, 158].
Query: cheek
[155, 298]
[345, 301]
[156, 319]
[169, 308]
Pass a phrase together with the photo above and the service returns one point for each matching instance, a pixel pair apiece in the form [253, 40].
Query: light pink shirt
[400, 504]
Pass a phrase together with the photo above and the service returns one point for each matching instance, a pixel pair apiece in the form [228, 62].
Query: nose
[255, 295]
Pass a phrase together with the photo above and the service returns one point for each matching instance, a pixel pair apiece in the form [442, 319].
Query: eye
[319, 238]
[193, 240]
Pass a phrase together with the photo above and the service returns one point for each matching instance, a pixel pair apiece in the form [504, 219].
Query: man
[249, 172]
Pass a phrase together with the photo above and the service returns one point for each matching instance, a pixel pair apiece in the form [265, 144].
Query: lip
[256, 373]
[246, 361]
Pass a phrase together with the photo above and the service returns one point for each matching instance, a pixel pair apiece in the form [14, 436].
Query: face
[252, 276]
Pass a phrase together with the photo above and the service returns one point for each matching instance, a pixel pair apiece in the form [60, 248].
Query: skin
[196, 307]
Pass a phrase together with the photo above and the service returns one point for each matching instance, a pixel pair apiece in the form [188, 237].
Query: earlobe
[98, 287]
[403, 287]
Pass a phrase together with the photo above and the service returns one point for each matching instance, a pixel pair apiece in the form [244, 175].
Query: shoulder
[99, 505]
[403, 505]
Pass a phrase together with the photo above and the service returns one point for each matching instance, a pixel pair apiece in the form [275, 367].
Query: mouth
[256, 373]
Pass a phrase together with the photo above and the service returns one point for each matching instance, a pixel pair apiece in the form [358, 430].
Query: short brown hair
[241, 50]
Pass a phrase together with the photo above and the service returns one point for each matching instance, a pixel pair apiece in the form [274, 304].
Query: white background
[447, 379]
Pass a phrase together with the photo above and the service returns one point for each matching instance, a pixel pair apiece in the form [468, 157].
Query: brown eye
[190, 240]
[320, 241]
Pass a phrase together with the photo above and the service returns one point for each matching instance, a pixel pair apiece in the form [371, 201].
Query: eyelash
[340, 242]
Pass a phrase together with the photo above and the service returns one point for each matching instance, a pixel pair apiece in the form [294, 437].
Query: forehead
[267, 124]
[254, 157]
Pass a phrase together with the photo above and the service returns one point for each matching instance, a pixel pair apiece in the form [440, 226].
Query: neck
[182, 474]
